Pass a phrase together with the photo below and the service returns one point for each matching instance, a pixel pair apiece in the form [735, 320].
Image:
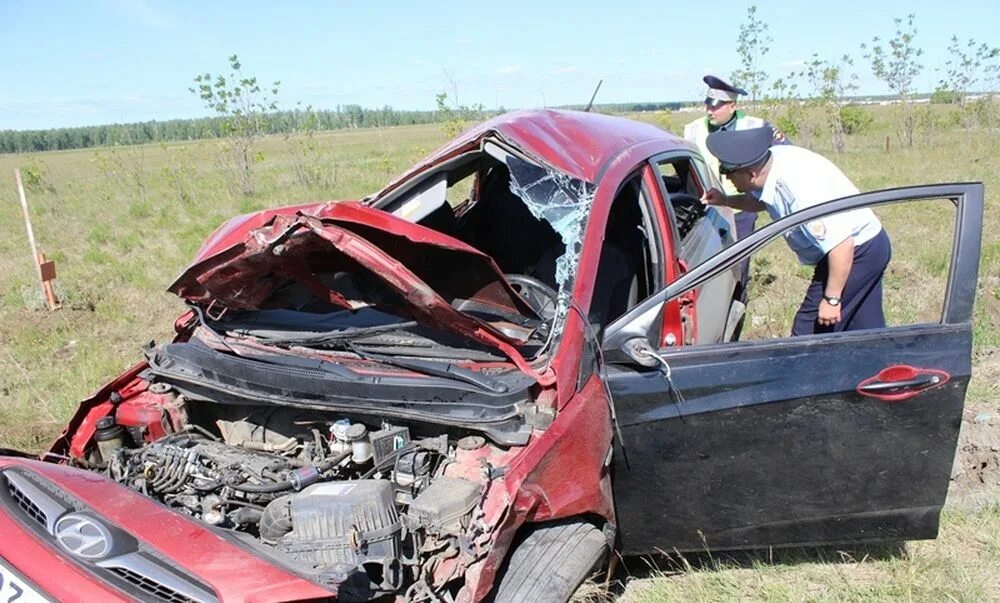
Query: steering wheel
[539, 296]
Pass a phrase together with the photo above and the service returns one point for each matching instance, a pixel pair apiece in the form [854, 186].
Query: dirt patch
[975, 478]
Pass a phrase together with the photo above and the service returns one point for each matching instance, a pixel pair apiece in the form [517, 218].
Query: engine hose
[258, 488]
[210, 486]
[284, 484]
[276, 520]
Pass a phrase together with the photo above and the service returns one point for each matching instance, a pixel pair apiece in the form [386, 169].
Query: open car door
[822, 439]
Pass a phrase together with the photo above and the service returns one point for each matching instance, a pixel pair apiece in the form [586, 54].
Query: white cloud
[509, 69]
[567, 69]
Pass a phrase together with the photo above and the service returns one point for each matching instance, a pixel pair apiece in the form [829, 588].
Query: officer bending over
[849, 250]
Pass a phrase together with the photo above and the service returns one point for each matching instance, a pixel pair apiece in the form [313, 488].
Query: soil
[975, 478]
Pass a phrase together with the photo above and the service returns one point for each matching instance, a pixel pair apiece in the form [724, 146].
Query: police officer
[849, 250]
[722, 114]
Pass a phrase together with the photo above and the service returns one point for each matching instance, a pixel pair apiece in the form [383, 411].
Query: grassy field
[122, 223]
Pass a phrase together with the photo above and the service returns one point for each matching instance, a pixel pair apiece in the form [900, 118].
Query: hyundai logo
[82, 536]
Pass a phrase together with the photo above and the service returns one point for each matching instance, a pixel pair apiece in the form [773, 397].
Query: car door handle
[899, 383]
[919, 382]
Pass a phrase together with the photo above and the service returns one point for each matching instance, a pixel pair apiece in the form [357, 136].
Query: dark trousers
[861, 300]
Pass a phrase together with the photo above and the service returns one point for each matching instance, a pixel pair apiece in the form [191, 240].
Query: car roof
[577, 143]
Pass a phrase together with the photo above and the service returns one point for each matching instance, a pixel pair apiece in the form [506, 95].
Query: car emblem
[82, 536]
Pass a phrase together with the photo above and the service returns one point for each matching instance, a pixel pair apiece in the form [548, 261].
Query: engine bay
[351, 502]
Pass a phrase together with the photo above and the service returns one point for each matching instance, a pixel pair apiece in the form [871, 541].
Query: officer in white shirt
[849, 250]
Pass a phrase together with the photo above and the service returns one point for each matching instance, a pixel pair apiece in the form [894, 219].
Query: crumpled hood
[415, 270]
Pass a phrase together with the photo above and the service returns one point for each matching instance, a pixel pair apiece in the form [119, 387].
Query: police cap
[737, 149]
[720, 91]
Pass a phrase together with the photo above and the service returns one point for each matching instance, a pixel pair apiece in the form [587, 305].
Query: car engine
[364, 507]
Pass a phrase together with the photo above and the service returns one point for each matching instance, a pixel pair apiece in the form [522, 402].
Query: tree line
[279, 122]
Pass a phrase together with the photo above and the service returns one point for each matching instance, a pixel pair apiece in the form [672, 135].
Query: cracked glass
[564, 202]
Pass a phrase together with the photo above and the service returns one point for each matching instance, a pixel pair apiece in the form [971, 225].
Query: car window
[930, 264]
[628, 268]
[684, 189]
[912, 287]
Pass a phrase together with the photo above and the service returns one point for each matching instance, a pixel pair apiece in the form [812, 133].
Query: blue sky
[70, 63]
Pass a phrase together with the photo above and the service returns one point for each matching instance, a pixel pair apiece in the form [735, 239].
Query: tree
[965, 66]
[831, 82]
[753, 43]
[310, 164]
[242, 104]
[897, 65]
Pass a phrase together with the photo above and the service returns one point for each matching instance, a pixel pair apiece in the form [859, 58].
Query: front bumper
[56, 521]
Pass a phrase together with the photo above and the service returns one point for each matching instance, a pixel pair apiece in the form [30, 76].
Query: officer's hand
[714, 196]
[828, 315]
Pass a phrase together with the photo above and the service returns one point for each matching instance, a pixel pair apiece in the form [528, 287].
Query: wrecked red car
[477, 383]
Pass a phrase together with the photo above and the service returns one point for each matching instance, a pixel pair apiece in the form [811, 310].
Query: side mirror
[640, 351]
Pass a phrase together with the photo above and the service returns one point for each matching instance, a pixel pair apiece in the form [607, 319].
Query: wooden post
[46, 270]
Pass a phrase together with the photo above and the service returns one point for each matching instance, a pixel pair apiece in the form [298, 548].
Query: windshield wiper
[447, 370]
[328, 337]
[341, 339]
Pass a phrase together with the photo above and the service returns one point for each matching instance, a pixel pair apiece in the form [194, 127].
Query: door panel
[774, 446]
[822, 439]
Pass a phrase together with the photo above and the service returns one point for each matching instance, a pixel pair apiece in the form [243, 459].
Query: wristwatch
[833, 300]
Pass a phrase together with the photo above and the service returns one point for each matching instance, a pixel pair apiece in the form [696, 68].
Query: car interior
[493, 219]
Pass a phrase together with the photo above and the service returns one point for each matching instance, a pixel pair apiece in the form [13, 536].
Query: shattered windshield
[564, 202]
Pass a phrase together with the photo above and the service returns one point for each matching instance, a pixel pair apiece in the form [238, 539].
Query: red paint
[560, 473]
[234, 574]
[148, 411]
[237, 277]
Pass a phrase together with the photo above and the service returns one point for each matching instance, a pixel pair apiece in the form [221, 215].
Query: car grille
[151, 587]
[39, 505]
[33, 511]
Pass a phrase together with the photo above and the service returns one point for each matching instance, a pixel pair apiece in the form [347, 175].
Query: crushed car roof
[576, 143]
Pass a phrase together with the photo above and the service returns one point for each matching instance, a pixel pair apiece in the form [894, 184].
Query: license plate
[14, 589]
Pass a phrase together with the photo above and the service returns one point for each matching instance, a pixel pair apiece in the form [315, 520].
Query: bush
[35, 176]
[787, 125]
[855, 119]
[945, 97]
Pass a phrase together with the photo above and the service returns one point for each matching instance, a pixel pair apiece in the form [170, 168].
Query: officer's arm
[742, 201]
[840, 260]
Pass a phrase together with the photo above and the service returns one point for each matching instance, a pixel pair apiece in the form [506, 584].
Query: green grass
[117, 248]
[961, 565]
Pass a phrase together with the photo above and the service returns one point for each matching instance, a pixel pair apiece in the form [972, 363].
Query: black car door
[822, 439]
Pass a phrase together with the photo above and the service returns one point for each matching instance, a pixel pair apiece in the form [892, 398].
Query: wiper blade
[329, 337]
[274, 327]
[447, 370]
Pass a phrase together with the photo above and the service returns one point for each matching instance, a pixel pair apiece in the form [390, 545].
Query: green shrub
[942, 96]
[35, 176]
[855, 119]
[788, 125]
